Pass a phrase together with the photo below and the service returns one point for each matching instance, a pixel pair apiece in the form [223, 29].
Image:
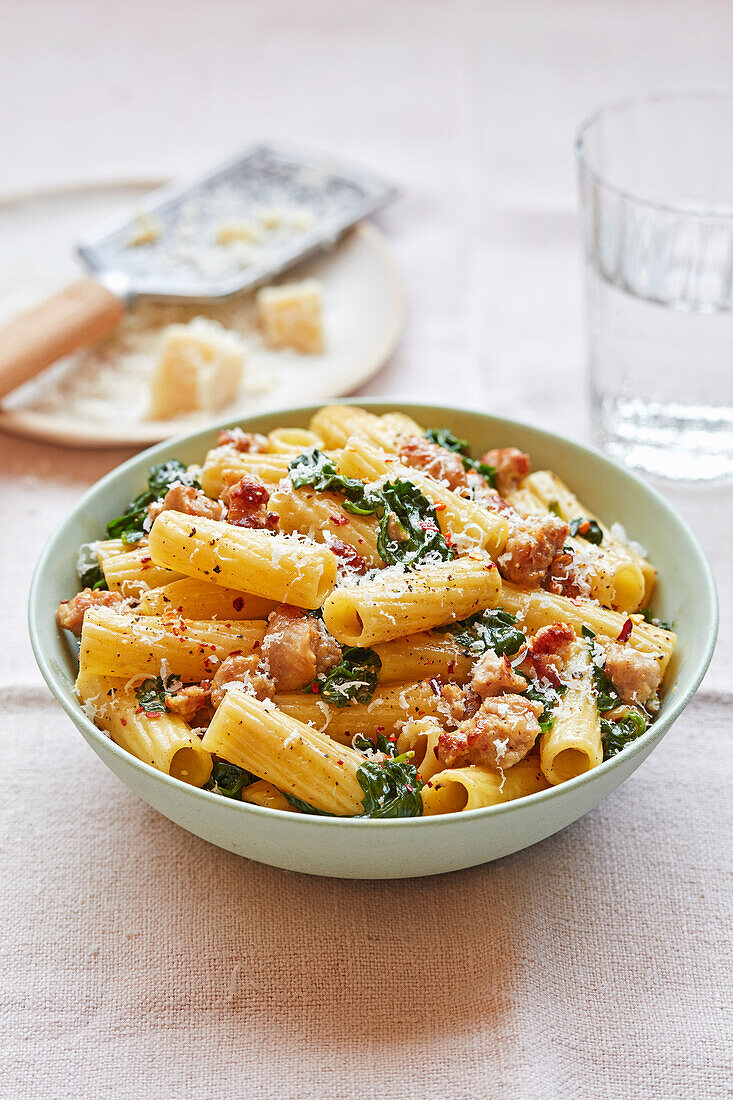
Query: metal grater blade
[297, 204]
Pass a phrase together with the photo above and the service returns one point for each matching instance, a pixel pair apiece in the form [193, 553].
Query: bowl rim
[647, 740]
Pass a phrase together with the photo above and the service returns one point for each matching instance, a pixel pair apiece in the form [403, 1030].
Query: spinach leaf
[408, 526]
[649, 617]
[305, 807]
[445, 438]
[130, 525]
[151, 696]
[587, 529]
[382, 743]
[606, 695]
[486, 630]
[391, 788]
[228, 780]
[617, 735]
[88, 569]
[548, 697]
[316, 469]
[353, 680]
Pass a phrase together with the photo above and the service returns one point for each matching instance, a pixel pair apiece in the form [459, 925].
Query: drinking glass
[656, 183]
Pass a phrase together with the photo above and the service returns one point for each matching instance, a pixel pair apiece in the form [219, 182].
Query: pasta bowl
[403, 847]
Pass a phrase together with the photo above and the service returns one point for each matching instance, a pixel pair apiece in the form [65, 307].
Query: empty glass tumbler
[656, 179]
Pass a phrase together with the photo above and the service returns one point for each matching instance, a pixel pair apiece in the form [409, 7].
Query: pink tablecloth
[138, 961]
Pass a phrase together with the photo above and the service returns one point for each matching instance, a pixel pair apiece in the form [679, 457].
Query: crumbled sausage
[457, 704]
[188, 700]
[552, 640]
[241, 670]
[511, 465]
[247, 500]
[349, 560]
[70, 613]
[439, 462]
[493, 675]
[296, 648]
[547, 652]
[248, 442]
[636, 676]
[562, 577]
[499, 735]
[184, 498]
[531, 548]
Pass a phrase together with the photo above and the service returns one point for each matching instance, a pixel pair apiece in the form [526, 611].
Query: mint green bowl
[413, 846]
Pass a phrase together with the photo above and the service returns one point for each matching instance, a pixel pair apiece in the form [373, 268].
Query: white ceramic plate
[362, 316]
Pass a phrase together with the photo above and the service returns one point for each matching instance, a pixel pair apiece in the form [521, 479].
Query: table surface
[138, 961]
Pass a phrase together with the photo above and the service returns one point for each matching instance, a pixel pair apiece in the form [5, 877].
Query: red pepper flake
[430, 783]
[123, 721]
[393, 736]
[440, 507]
[315, 689]
[435, 685]
[339, 521]
[255, 645]
[379, 729]
[238, 603]
[235, 652]
[428, 525]
[339, 761]
[584, 527]
[451, 666]
[625, 632]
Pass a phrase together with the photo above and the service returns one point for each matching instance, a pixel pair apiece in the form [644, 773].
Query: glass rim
[617, 106]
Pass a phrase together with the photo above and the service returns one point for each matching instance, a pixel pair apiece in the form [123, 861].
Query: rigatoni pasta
[286, 568]
[361, 618]
[459, 518]
[115, 644]
[163, 740]
[393, 605]
[192, 598]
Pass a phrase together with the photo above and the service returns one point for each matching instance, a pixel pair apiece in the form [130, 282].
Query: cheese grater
[205, 238]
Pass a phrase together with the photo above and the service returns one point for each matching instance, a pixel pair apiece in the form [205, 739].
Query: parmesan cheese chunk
[200, 366]
[145, 230]
[290, 316]
[231, 231]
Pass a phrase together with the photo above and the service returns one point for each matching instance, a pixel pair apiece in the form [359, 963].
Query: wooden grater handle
[71, 319]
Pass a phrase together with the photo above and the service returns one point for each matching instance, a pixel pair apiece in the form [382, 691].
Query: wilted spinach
[130, 525]
[353, 680]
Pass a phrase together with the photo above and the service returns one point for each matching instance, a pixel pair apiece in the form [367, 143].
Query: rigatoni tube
[195, 599]
[460, 519]
[538, 608]
[389, 708]
[573, 745]
[473, 788]
[132, 571]
[287, 753]
[279, 567]
[394, 604]
[162, 740]
[114, 644]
